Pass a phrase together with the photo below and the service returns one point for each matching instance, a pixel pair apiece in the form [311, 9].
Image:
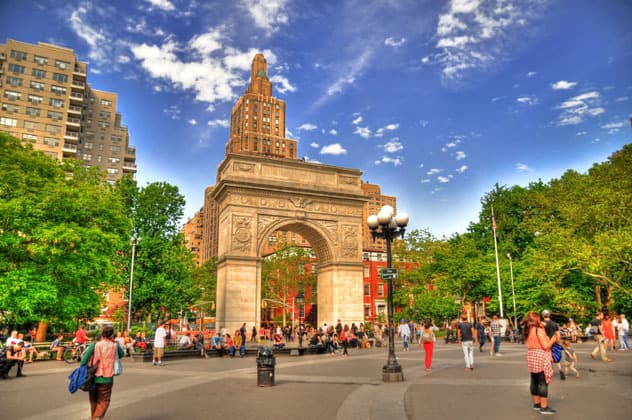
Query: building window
[53, 129]
[64, 65]
[115, 149]
[57, 103]
[16, 68]
[87, 157]
[9, 94]
[106, 102]
[367, 311]
[60, 77]
[55, 115]
[104, 114]
[29, 137]
[367, 289]
[14, 81]
[37, 85]
[113, 171]
[10, 108]
[380, 289]
[34, 99]
[88, 145]
[42, 61]
[40, 74]
[8, 122]
[18, 55]
[33, 112]
[52, 142]
[58, 90]
[30, 125]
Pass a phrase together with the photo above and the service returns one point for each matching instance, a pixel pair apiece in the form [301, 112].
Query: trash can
[265, 367]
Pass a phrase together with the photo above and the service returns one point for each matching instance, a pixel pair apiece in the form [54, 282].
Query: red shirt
[81, 336]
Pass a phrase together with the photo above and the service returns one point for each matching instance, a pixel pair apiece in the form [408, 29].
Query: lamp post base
[392, 373]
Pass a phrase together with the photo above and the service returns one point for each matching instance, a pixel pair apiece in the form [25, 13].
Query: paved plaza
[322, 387]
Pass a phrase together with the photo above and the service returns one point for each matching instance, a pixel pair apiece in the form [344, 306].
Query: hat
[546, 313]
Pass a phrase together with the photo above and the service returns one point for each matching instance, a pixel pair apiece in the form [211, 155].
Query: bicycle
[73, 353]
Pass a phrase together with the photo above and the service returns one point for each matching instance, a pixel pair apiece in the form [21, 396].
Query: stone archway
[256, 196]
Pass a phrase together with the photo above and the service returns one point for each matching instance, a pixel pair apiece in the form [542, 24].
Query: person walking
[570, 359]
[622, 331]
[404, 332]
[495, 328]
[466, 337]
[539, 361]
[427, 340]
[608, 332]
[160, 342]
[102, 354]
[480, 332]
[596, 331]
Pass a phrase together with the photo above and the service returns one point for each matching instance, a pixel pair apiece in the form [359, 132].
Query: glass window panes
[40, 60]
[60, 77]
[37, 85]
[15, 68]
[18, 55]
[40, 74]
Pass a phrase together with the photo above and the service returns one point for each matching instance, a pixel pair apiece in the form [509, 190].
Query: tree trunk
[598, 297]
[41, 331]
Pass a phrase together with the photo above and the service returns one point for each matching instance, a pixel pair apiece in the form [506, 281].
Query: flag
[494, 223]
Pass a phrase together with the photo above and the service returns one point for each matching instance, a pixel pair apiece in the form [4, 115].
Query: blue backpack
[556, 351]
[77, 378]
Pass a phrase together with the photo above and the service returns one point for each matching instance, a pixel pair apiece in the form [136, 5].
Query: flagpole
[500, 293]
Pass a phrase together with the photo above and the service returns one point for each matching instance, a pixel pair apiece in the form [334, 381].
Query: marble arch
[256, 196]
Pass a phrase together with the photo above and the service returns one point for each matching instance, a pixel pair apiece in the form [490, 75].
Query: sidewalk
[322, 387]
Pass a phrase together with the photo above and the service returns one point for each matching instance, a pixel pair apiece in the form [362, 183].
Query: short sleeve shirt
[159, 339]
[466, 331]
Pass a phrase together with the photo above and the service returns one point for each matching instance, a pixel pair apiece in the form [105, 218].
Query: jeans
[497, 340]
[625, 340]
[405, 339]
[468, 353]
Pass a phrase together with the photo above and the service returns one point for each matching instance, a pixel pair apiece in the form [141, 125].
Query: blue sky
[436, 101]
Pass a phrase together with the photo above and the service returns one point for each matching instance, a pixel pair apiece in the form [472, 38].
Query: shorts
[159, 352]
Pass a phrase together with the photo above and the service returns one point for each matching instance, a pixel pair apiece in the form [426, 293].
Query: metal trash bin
[265, 367]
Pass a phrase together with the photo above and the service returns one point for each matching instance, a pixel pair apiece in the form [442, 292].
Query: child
[570, 358]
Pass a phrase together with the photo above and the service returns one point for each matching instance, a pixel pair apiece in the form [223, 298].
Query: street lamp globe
[372, 222]
[401, 219]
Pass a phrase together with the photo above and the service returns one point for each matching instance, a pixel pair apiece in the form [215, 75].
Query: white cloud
[389, 127]
[581, 133]
[95, 39]
[213, 77]
[285, 85]
[122, 59]
[472, 35]
[307, 127]
[357, 120]
[497, 98]
[527, 100]
[363, 132]
[424, 123]
[460, 155]
[462, 169]
[425, 60]
[424, 181]
[347, 73]
[219, 123]
[333, 132]
[268, 15]
[173, 111]
[389, 160]
[563, 85]
[443, 179]
[622, 99]
[577, 108]
[393, 146]
[531, 74]
[521, 167]
[433, 171]
[314, 145]
[392, 42]
[163, 4]
[192, 121]
[333, 149]
[614, 127]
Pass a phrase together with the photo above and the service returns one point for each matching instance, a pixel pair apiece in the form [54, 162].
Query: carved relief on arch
[349, 241]
[263, 222]
[244, 167]
[242, 234]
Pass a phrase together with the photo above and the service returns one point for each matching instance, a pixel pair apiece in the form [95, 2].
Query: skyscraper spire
[259, 83]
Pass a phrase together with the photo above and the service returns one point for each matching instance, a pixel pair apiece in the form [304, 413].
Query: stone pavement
[321, 387]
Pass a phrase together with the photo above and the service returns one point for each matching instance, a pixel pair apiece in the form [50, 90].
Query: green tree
[60, 229]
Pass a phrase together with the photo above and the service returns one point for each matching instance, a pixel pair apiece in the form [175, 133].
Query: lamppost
[513, 292]
[134, 241]
[388, 226]
[300, 300]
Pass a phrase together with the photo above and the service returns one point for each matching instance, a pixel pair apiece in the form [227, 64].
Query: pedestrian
[495, 328]
[608, 332]
[102, 354]
[596, 331]
[404, 332]
[480, 333]
[551, 328]
[624, 328]
[253, 336]
[570, 359]
[465, 337]
[160, 342]
[427, 340]
[539, 361]
[344, 339]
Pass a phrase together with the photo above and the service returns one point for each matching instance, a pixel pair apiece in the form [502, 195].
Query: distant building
[373, 206]
[193, 236]
[47, 102]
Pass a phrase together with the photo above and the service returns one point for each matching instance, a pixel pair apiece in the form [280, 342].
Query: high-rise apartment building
[192, 232]
[46, 101]
[376, 201]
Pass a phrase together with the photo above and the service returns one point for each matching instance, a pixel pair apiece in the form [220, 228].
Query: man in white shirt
[623, 330]
[404, 332]
[160, 341]
[185, 342]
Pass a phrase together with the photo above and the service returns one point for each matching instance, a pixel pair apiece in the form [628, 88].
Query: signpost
[389, 274]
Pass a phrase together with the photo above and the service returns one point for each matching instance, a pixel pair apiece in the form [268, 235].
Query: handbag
[89, 385]
[556, 351]
[118, 366]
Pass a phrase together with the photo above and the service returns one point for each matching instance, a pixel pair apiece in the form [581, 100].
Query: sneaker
[536, 407]
[467, 369]
[547, 410]
[154, 363]
[562, 376]
[498, 354]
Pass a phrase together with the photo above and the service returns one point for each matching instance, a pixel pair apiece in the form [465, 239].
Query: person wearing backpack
[427, 340]
[102, 354]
